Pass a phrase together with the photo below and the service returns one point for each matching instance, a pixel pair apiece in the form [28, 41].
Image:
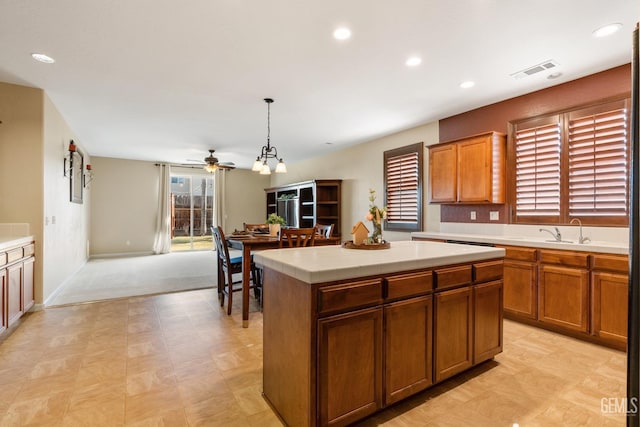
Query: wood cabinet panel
[474, 170]
[4, 322]
[408, 347]
[487, 271]
[350, 358]
[487, 320]
[27, 284]
[453, 339]
[442, 173]
[617, 263]
[332, 299]
[609, 309]
[567, 258]
[14, 293]
[520, 289]
[520, 253]
[564, 297]
[453, 276]
[408, 285]
[14, 255]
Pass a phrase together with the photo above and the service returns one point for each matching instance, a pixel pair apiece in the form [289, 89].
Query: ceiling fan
[211, 163]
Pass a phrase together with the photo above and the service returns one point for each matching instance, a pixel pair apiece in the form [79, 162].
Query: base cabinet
[408, 348]
[564, 297]
[14, 293]
[487, 320]
[609, 306]
[453, 332]
[350, 358]
[4, 322]
[520, 289]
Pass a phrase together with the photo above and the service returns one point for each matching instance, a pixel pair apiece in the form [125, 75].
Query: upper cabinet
[468, 170]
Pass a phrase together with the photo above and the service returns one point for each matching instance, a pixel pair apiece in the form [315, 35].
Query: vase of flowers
[275, 221]
[375, 215]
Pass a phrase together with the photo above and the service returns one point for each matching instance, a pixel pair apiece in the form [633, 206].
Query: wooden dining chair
[297, 237]
[323, 231]
[227, 267]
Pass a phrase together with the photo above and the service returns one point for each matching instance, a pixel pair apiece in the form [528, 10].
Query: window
[403, 188]
[572, 165]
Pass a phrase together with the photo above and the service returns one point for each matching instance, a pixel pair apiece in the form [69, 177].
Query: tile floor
[178, 360]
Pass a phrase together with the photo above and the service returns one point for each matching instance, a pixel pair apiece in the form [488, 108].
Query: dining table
[248, 242]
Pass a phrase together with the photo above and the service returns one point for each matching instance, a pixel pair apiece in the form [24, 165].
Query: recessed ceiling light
[467, 84]
[342, 33]
[41, 57]
[413, 61]
[607, 30]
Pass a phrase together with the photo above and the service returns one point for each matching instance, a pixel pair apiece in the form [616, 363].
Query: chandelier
[268, 151]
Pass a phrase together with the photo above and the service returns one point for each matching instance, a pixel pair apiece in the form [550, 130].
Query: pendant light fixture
[268, 151]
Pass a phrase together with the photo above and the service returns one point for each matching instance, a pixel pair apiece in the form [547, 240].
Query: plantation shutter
[598, 162]
[537, 156]
[403, 188]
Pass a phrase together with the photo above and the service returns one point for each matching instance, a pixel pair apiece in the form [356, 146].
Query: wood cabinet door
[408, 347]
[564, 297]
[27, 284]
[453, 340]
[442, 173]
[520, 289]
[349, 366]
[609, 306]
[487, 320]
[4, 322]
[474, 170]
[14, 293]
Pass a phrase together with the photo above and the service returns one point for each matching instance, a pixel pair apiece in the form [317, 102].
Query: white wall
[361, 167]
[66, 224]
[124, 199]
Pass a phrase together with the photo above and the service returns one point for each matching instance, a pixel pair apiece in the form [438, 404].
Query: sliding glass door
[191, 212]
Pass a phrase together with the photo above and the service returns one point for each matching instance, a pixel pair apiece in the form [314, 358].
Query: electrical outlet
[473, 215]
[494, 215]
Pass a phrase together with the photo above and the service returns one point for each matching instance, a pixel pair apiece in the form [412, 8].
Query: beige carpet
[108, 278]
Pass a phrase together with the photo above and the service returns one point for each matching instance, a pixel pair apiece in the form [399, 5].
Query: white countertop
[320, 264]
[12, 241]
[596, 246]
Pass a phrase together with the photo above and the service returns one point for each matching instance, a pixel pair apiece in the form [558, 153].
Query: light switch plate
[494, 215]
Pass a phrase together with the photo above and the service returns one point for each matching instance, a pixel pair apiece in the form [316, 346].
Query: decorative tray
[368, 246]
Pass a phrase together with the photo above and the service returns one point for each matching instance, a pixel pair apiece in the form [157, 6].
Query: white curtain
[219, 183]
[162, 241]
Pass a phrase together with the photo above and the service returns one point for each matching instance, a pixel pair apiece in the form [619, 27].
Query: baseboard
[120, 255]
[59, 289]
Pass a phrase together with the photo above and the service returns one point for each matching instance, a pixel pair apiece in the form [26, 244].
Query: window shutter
[403, 188]
[598, 163]
[537, 152]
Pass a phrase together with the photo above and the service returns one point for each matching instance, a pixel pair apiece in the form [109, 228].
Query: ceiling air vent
[546, 65]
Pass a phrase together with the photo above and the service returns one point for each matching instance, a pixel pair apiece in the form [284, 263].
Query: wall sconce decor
[268, 151]
[73, 169]
[88, 176]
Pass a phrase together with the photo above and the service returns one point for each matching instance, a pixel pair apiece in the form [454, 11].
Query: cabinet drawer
[487, 271]
[350, 295]
[615, 263]
[3, 258]
[574, 259]
[14, 255]
[406, 285]
[453, 276]
[521, 254]
[28, 250]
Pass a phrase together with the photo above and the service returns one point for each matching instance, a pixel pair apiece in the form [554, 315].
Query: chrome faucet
[581, 240]
[557, 236]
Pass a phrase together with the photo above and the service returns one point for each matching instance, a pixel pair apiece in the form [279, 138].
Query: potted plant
[275, 221]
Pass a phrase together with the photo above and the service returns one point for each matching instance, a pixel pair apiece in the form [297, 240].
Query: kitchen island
[348, 332]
